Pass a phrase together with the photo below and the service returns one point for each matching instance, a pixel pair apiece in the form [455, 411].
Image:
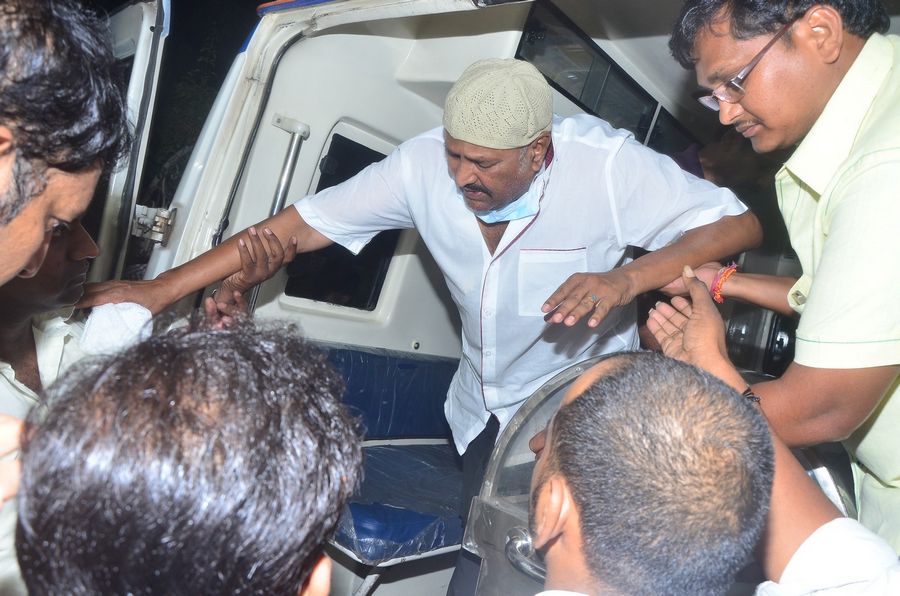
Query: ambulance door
[138, 30]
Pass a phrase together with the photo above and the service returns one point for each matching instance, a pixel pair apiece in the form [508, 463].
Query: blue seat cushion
[395, 395]
[409, 504]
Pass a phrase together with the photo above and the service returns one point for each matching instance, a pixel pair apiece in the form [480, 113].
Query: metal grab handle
[520, 553]
[299, 132]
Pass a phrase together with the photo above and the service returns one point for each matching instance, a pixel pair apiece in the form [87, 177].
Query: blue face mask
[525, 206]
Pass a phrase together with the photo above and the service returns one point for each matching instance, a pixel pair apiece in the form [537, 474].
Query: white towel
[114, 327]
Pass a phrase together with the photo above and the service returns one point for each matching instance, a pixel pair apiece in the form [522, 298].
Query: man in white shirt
[529, 218]
[513, 204]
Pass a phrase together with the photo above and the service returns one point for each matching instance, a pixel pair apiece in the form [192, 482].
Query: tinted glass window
[334, 274]
[579, 69]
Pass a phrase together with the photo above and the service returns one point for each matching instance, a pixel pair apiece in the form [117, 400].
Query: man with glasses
[820, 77]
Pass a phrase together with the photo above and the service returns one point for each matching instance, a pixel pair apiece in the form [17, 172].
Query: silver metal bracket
[153, 223]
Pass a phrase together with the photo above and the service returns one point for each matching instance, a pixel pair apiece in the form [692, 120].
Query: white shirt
[57, 346]
[604, 192]
[841, 558]
[59, 343]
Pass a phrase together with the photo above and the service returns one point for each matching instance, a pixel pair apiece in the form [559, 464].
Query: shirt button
[488, 353]
[488, 313]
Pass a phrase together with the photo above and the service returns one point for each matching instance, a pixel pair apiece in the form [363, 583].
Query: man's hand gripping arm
[210, 267]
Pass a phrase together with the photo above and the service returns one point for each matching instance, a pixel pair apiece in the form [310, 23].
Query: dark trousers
[474, 464]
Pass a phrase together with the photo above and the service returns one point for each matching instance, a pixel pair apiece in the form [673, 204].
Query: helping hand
[587, 293]
[691, 331]
[705, 273]
[222, 314]
[259, 262]
[152, 294]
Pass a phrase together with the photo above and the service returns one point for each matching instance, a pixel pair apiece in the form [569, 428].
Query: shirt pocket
[542, 271]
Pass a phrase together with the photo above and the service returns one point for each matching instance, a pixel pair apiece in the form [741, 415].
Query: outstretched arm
[211, 266]
[595, 294]
[766, 291]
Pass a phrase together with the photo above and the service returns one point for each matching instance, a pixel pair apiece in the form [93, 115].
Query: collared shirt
[838, 195]
[56, 342]
[841, 558]
[604, 192]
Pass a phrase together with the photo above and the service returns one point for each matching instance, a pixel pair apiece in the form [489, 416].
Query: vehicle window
[668, 135]
[580, 70]
[202, 44]
[334, 274]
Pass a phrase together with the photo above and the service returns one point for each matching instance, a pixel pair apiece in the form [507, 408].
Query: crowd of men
[216, 457]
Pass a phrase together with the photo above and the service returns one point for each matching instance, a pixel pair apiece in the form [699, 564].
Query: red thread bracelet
[719, 280]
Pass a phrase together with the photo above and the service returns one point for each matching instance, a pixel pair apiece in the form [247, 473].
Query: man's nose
[464, 174]
[729, 112]
[83, 246]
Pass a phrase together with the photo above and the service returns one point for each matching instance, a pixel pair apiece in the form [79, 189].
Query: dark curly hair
[58, 94]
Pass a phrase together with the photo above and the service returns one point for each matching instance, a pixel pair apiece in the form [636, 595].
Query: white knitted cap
[499, 104]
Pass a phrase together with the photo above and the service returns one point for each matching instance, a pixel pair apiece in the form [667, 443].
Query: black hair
[671, 472]
[751, 18]
[196, 462]
[58, 94]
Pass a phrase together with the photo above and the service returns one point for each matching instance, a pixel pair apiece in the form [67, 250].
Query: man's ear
[319, 581]
[7, 159]
[539, 148]
[6, 141]
[553, 509]
[825, 28]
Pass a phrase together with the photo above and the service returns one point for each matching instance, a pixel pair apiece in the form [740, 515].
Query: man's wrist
[168, 287]
[724, 370]
[723, 276]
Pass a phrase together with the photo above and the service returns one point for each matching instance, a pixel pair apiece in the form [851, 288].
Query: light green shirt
[839, 194]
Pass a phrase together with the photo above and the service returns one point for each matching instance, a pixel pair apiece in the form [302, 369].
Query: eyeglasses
[732, 91]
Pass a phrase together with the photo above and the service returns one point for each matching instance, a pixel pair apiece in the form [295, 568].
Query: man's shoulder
[879, 132]
[432, 139]
[586, 130]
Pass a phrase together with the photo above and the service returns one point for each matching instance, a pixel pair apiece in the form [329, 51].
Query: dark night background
[204, 38]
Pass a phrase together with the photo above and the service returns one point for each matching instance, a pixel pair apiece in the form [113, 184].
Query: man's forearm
[766, 291]
[728, 236]
[808, 405]
[224, 260]
[797, 509]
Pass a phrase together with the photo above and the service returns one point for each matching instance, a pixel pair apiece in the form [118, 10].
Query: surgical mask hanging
[525, 206]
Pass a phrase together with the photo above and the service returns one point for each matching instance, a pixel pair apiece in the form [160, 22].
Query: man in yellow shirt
[820, 77]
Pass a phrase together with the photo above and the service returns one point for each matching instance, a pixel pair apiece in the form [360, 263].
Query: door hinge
[153, 223]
